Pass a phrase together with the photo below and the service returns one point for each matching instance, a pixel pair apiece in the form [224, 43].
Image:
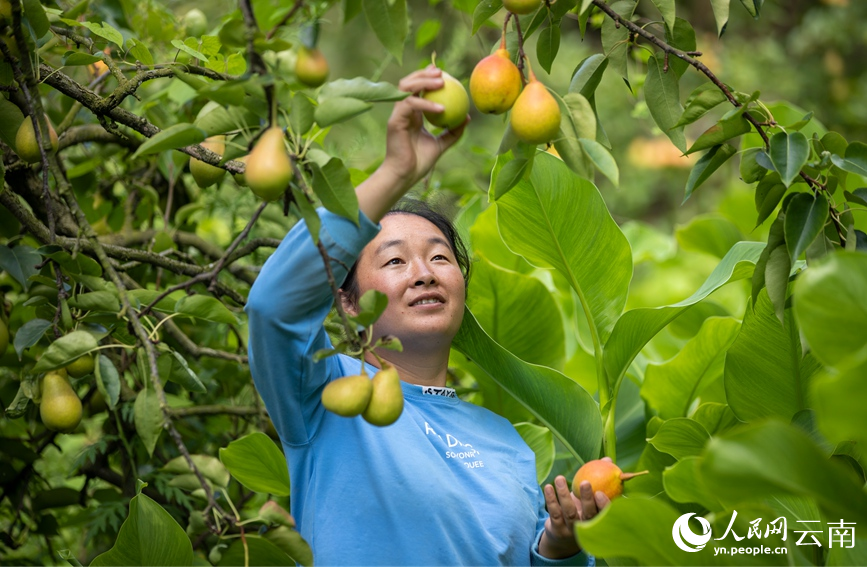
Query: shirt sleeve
[580, 559]
[286, 309]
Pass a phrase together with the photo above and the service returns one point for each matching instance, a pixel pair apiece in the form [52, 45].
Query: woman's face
[410, 258]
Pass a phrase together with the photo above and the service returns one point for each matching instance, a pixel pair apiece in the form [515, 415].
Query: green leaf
[256, 462]
[177, 136]
[805, 219]
[148, 536]
[667, 9]
[703, 99]
[716, 418]
[753, 7]
[711, 234]
[682, 482]
[64, 350]
[855, 160]
[683, 38]
[76, 58]
[777, 271]
[557, 402]
[614, 37]
[291, 542]
[704, 168]
[588, 74]
[426, 33]
[20, 262]
[772, 458]
[81, 264]
[107, 380]
[547, 45]
[307, 212]
[578, 120]
[769, 193]
[750, 169]
[371, 305]
[680, 437]
[830, 303]
[29, 334]
[172, 366]
[339, 109]
[789, 153]
[140, 51]
[602, 159]
[720, 14]
[510, 175]
[210, 467]
[333, 186]
[636, 327]
[190, 49]
[671, 387]
[36, 17]
[484, 10]
[103, 30]
[104, 301]
[720, 132]
[537, 221]
[541, 440]
[205, 307]
[149, 419]
[362, 89]
[765, 372]
[662, 95]
[389, 23]
[838, 398]
[259, 551]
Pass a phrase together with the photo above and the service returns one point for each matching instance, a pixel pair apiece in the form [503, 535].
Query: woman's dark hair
[409, 206]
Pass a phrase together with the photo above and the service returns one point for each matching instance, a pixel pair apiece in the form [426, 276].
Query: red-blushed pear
[348, 396]
[535, 115]
[311, 67]
[522, 7]
[60, 408]
[386, 403]
[206, 174]
[453, 96]
[269, 168]
[26, 145]
[496, 82]
[603, 476]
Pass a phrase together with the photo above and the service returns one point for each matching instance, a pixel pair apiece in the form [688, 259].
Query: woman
[449, 483]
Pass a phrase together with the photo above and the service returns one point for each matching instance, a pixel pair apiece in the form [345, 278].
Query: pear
[269, 169]
[4, 337]
[603, 476]
[241, 178]
[453, 96]
[495, 82]
[536, 115]
[386, 403]
[522, 7]
[311, 68]
[206, 174]
[347, 396]
[195, 22]
[60, 408]
[25, 141]
[81, 366]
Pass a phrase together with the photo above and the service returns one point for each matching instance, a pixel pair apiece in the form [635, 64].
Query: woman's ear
[347, 305]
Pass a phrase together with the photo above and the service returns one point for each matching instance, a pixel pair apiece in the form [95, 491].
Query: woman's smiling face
[410, 259]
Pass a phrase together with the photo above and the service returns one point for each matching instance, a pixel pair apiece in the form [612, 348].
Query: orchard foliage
[730, 367]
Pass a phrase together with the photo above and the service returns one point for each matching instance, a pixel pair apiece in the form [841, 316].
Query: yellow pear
[240, 178]
[206, 174]
[386, 403]
[25, 141]
[195, 22]
[311, 67]
[495, 82]
[453, 97]
[522, 6]
[4, 337]
[347, 396]
[536, 115]
[60, 408]
[269, 169]
[81, 366]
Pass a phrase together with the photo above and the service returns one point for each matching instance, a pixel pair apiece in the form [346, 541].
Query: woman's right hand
[412, 151]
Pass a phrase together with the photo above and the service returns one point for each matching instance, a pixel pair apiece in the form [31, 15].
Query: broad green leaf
[541, 441]
[370, 306]
[753, 7]
[190, 50]
[766, 374]
[716, 418]
[789, 153]
[140, 52]
[855, 160]
[307, 212]
[720, 14]
[776, 239]
[487, 242]
[602, 159]
[36, 17]
[301, 115]
[484, 10]
[773, 458]
[210, 467]
[205, 307]
[256, 462]
[332, 185]
[711, 234]
[146, 296]
[259, 551]
[20, 262]
[838, 399]
[830, 303]
[750, 169]
[29, 334]
[680, 437]
[512, 172]
[588, 75]
[537, 220]
[177, 136]
[362, 89]
[702, 100]
[547, 45]
[76, 58]
[339, 109]
[704, 168]
[81, 264]
[291, 542]
[720, 132]
[683, 38]
[172, 366]
[103, 30]
[104, 301]
[519, 313]
[769, 193]
[805, 219]
[107, 380]
[148, 536]
[667, 9]
[64, 350]
[777, 272]
[614, 38]
[671, 387]
[149, 418]
[662, 95]
[559, 403]
[682, 482]
[390, 24]
[577, 120]
[426, 33]
[636, 327]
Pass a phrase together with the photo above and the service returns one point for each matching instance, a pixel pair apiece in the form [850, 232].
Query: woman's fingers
[602, 500]
[588, 500]
[424, 105]
[427, 79]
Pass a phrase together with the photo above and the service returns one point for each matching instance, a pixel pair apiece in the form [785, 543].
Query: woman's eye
[392, 260]
[440, 256]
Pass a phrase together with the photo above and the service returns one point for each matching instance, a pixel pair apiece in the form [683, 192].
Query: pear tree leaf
[29, 334]
[177, 136]
[703, 99]
[362, 89]
[484, 10]
[805, 218]
[661, 92]
[667, 9]
[720, 14]
[750, 170]
[683, 38]
[256, 462]
[704, 168]
[390, 24]
[20, 262]
[789, 153]
[64, 350]
[333, 186]
[107, 380]
[339, 109]
[149, 419]
[720, 132]
[602, 159]
[547, 45]
[855, 160]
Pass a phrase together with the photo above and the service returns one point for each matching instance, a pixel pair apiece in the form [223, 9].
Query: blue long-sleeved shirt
[450, 483]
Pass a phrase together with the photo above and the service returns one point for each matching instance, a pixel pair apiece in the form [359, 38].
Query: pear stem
[505, 26]
[628, 475]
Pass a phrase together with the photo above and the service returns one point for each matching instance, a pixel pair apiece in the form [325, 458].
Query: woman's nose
[424, 275]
